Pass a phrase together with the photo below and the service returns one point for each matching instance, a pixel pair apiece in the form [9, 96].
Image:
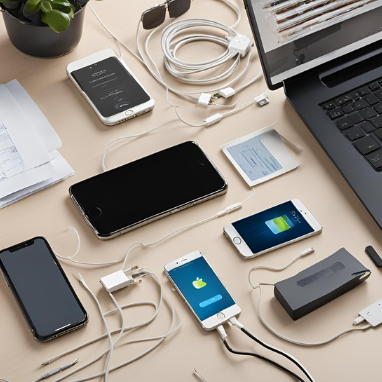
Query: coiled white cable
[183, 71]
[171, 46]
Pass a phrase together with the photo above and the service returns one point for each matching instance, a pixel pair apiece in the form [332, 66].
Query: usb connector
[222, 332]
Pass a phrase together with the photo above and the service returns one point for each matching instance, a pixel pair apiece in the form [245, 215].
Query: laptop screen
[294, 36]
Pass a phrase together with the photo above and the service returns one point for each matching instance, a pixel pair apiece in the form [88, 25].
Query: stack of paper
[29, 160]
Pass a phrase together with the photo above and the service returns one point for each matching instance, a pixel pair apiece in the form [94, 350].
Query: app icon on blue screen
[279, 224]
[201, 288]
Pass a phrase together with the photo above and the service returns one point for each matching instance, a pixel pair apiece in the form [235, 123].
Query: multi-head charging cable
[174, 37]
[138, 273]
[372, 314]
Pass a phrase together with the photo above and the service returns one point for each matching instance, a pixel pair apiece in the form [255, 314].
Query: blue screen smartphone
[272, 228]
[202, 290]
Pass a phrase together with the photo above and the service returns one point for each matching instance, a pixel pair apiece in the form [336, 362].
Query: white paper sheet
[62, 171]
[35, 117]
[29, 160]
[30, 147]
[260, 156]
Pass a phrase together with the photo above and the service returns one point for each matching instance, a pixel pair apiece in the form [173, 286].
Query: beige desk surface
[354, 357]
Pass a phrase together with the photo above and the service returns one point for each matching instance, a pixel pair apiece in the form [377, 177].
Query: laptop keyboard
[358, 115]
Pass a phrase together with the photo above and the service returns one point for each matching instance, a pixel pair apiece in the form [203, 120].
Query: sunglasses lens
[177, 8]
[154, 17]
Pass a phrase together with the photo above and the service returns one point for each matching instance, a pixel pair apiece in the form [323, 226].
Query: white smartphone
[109, 86]
[272, 228]
[201, 289]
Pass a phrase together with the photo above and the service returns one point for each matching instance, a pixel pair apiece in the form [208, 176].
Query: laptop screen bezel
[359, 51]
[259, 45]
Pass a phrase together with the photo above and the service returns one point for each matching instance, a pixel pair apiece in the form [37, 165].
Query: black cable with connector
[264, 359]
[250, 335]
[223, 336]
[234, 321]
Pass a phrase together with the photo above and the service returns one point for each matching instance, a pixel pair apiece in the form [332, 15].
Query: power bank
[320, 283]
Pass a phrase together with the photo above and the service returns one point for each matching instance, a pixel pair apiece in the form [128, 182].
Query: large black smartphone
[41, 289]
[147, 189]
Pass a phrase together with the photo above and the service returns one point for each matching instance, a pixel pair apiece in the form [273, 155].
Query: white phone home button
[237, 240]
[129, 112]
[220, 315]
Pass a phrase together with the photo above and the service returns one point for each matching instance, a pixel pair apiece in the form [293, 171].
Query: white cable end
[120, 279]
[227, 92]
[229, 209]
[307, 251]
[204, 99]
[234, 321]
[358, 320]
[222, 333]
[262, 99]
[240, 44]
[213, 119]
[81, 279]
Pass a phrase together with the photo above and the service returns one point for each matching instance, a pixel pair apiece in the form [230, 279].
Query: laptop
[327, 54]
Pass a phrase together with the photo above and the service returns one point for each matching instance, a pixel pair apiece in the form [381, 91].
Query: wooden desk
[316, 182]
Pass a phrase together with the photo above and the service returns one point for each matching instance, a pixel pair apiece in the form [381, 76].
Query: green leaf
[45, 6]
[63, 6]
[58, 21]
[32, 6]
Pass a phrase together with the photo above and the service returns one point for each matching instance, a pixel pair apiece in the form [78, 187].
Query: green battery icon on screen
[280, 224]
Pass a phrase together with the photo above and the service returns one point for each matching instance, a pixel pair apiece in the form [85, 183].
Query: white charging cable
[172, 329]
[110, 349]
[296, 342]
[122, 139]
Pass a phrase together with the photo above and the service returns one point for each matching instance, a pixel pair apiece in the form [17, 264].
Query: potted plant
[44, 28]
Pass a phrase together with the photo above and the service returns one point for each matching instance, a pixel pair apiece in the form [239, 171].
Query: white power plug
[118, 280]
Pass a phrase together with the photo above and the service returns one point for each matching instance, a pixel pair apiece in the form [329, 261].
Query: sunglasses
[155, 16]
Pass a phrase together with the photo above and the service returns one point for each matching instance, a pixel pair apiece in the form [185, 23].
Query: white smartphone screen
[202, 289]
[273, 227]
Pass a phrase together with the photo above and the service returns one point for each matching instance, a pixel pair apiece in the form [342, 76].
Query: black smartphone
[147, 189]
[41, 289]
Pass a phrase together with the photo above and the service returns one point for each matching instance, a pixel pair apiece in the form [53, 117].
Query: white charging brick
[373, 313]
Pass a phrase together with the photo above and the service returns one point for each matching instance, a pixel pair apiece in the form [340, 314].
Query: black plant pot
[40, 40]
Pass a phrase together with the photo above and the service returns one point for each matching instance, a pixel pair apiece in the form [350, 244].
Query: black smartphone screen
[41, 289]
[111, 88]
[147, 188]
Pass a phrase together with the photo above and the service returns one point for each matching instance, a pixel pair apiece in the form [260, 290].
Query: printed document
[29, 160]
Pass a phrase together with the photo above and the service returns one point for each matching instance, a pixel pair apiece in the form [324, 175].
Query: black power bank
[320, 283]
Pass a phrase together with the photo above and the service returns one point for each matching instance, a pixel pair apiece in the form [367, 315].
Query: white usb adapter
[120, 279]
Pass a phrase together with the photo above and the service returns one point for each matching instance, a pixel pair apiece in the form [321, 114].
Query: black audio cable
[262, 358]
